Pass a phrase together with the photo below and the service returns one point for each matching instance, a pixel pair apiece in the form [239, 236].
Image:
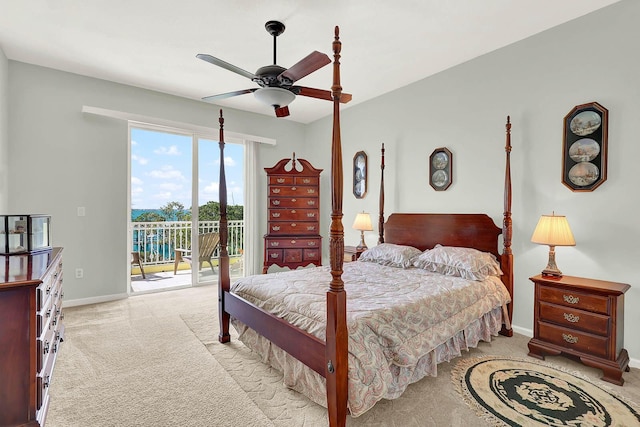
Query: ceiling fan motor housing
[267, 76]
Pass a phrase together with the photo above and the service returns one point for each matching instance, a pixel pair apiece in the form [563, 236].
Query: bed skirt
[300, 378]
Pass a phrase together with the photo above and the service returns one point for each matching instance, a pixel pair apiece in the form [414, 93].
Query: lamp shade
[274, 96]
[362, 222]
[553, 230]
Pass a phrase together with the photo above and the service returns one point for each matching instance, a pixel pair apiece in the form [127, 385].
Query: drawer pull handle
[311, 202]
[311, 214]
[294, 200]
[275, 243]
[46, 347]
[48, 291]
[275, 202]
[274, 256]
[306, 181]
[293, 242]
[570, 317]
[294, 188]
[280, 180]
[571, 299]
[275, 228]
[311, 191]
[311, 227]
[293, 211]
[311, 243]
[45, 384]
[275, 190]
[275, 214]
[570, 338]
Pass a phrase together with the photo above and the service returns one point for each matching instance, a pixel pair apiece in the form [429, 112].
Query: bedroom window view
[164, 220]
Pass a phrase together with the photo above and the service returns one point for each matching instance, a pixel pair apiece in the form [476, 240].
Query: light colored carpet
[154, 360]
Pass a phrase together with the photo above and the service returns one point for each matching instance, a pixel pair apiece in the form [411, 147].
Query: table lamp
[362, 223]
[553, 230]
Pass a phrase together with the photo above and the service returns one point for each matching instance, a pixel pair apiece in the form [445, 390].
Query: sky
[161, 170]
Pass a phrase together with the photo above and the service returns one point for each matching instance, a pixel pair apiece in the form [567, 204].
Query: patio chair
[135, 259]
[207, 244]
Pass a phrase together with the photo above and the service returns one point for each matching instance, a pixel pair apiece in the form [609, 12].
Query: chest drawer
[578, 341]
[293, 243]
[575, 299]
[293, 190]
[293, 214]
[289, 228]
[293, 202]
[576, 319]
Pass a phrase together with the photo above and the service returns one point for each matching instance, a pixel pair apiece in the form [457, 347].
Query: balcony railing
[156, 241]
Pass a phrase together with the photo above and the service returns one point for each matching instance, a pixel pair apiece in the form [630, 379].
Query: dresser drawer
[292, 243]
[281, 180]
[307, 180]
[574, 340]
[571, 298]
[576, 319]
[311, 254]
[293, 214]
[293, 191]
[293, 202]
[292, 255]
[293, 228]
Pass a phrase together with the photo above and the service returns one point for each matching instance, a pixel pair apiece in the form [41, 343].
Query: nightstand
[351, 253]
[582, 318]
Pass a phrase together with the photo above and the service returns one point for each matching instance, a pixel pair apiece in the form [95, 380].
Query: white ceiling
[153, 44]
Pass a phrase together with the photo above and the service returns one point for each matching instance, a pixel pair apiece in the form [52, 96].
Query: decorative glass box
[25, 233]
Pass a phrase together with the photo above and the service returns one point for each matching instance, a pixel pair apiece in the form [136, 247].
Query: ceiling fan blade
[228, 94]
[282, 111]
[307, 65]
[320, 94]
[220, 63]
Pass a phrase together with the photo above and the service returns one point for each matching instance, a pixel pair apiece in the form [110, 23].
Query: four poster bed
[386, 320]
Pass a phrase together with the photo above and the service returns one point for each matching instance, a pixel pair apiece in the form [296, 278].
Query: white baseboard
[634, 363]
[94, 300]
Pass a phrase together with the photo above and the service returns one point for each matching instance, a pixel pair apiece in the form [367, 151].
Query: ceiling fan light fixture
[274, 96]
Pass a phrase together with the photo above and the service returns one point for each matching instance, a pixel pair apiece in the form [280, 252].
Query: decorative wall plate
[440, 169]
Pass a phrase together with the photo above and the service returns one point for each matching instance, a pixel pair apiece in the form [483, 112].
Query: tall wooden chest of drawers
[293, 236]
[583, 318]
[31, 331]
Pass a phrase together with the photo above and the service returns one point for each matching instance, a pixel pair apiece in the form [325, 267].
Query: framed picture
[360, 174]
[440, 169]
[584, 147]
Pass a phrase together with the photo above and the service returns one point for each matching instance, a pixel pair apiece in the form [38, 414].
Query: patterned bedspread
[401, 323]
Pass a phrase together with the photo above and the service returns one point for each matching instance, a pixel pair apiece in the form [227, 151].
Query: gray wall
[4, 131]
[537, 81]
[62, 159]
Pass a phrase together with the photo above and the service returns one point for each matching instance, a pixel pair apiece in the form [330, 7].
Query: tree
[174, 211]
[149, 217]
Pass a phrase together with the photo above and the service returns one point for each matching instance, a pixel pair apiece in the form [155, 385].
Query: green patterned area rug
[525, 392]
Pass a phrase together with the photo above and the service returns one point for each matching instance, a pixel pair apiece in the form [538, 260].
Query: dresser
[583, 318]
[31, 331]
[293, 227]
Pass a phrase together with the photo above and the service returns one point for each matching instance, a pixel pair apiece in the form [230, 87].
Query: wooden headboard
[424, 231]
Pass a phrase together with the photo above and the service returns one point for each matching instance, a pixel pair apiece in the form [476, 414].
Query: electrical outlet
[79, 273]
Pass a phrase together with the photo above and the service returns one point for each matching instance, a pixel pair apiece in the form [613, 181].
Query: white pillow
[390, 254]
[467, 263]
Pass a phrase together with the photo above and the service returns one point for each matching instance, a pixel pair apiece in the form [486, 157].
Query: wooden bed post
[507, 255]
[336, 352]
[381, 207]
[224, 279]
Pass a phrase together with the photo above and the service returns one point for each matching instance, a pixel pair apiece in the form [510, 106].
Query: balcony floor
[164, 280]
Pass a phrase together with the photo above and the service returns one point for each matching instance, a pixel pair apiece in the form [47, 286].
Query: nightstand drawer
[574, 340]
[575, 319]
[571, 298]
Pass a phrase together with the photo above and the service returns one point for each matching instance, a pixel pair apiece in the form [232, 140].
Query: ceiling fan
[276, 83]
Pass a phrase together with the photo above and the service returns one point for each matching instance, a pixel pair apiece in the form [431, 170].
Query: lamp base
[552, 269]
[362, 246]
